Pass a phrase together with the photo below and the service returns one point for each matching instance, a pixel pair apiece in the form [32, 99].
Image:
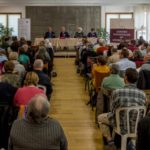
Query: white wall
[114, 9]
[13, 9]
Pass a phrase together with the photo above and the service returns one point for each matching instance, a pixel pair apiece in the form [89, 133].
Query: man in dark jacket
[50, 33]
[43, 78]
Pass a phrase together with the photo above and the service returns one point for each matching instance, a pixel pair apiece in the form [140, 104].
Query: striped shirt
[48, 135]
[126, 97]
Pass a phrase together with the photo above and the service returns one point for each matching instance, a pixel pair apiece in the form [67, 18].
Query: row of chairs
[99, 77]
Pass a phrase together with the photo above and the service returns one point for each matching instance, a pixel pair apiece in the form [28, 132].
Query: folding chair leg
[123, 143]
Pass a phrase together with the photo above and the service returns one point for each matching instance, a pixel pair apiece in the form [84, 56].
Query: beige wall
[13, 9]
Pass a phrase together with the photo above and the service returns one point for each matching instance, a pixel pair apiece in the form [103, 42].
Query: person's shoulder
[118, 91]
[21, 89]
[141, 92]
[54, 122]
[17, 123]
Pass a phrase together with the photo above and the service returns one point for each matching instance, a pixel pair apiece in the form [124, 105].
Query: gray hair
[114, 69]
[38, 63]
[38, 109]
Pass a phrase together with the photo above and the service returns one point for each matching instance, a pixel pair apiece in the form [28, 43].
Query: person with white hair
[79, 33]
[64, 34]
[37, 130]
[49, 33]
[43, 78]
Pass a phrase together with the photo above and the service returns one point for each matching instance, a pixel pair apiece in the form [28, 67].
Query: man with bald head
[37, 131]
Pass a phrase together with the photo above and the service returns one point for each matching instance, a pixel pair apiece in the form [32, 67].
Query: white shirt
[125, 63]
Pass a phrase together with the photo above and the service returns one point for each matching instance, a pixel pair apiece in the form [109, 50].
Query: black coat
[64, 35]
[49, 35]
[90, 34]
[44, 80]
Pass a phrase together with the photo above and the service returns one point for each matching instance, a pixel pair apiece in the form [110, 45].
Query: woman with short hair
[10, 76]
[24, 94]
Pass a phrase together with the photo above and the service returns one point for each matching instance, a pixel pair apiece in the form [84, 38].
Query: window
[10, 21]
[116, 16]
[110, 16]
[126, 16]
[3, 19]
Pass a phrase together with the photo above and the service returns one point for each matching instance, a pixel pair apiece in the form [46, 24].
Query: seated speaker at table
[92, 33]
[79, 33]
[49, 33]
[63, 33]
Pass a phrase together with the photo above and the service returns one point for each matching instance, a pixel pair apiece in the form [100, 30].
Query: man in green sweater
[113, 81]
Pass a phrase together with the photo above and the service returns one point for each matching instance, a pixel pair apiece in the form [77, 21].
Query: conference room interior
[85, 64]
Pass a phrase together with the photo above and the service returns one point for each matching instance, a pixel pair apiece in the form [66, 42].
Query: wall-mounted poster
[24, 28]
[121, 29]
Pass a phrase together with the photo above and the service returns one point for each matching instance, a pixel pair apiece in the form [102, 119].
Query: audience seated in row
[124, 97]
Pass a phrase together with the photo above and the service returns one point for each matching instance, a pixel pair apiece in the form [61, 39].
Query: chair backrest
[122, 73]
[140, 110]
[99, 78]
[147, 92]
[42, 87]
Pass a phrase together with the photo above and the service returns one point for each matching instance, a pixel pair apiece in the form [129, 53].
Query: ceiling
[73, 2]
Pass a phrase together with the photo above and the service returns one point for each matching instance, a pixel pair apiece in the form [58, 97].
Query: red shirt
[24, 94]
[101, 49]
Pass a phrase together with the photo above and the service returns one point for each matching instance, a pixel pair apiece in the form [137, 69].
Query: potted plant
[102, 33]
[5, 32]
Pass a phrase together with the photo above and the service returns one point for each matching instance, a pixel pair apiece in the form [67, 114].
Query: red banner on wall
[117, 34]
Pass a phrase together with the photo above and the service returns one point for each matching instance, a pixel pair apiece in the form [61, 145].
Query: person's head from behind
[21, 50]
[38, 64]
[114, 69]
[133, 42]
[131, 76]
[31, 79]
[114, 50]
[9, 67]
[25, 47]
[144, 46]
[124, 53]
[13, 56]
[38, 109]
[101, 60]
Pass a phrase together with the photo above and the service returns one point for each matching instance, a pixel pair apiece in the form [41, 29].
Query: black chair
[7, 115]
[144, 80]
